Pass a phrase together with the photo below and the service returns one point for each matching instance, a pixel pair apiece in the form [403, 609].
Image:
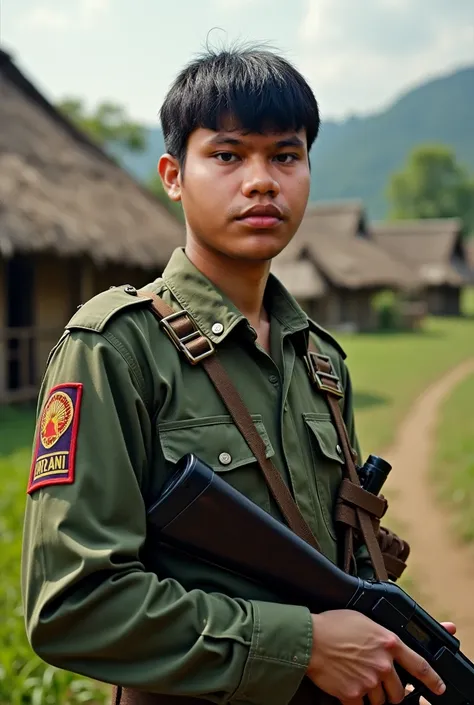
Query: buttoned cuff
[279, 654]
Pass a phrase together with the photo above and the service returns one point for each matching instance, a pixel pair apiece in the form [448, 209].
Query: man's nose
[259, 180]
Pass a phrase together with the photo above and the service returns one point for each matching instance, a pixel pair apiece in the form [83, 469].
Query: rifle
[204, 515]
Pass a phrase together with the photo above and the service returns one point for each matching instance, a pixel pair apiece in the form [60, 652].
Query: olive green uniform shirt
[100, 598]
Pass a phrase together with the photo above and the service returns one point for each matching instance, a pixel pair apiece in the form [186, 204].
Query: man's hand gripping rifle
[203, 514]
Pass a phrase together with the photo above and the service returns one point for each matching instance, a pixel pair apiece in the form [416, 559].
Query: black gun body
[203, 514]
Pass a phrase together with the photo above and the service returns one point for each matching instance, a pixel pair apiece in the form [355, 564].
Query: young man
[119, 406]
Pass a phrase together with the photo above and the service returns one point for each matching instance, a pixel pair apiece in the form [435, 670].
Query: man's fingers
[393, 687]
[450, 627]
[419, 668]
[377, 696]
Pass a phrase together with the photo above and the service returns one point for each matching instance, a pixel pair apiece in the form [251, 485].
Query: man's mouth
[262, 217]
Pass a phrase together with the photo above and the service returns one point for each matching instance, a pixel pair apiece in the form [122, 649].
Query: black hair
[258, 89]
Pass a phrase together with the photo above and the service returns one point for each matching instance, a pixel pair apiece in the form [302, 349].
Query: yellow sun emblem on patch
[56, 419]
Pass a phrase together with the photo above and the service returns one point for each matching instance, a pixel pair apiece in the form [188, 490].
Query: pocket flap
[324, 431]
[214, 439]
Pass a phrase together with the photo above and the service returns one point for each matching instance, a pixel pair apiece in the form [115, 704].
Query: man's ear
[170, 172]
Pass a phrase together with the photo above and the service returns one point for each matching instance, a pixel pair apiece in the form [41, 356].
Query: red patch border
[72, 452]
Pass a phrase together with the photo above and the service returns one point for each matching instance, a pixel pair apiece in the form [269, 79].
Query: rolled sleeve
[279, 654]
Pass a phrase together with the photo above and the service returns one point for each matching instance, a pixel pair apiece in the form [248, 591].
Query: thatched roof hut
[356, 264]
[72, 223]
[334, 271]
[60, 193]
[300, 278]
[434, 248]
[339, 256]
[336, 217]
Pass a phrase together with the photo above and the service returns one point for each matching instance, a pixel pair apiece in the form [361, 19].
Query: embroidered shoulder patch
[55, 452]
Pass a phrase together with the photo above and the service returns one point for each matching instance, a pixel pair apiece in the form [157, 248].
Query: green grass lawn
[388, 371]
[467, 301]
[453, 461]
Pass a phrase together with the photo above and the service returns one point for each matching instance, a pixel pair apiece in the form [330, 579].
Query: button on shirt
[100, 597]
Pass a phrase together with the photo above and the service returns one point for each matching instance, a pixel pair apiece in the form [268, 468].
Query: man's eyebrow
[294, 141]
[225, 139]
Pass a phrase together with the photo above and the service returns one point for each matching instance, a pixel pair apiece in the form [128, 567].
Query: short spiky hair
[260, 90]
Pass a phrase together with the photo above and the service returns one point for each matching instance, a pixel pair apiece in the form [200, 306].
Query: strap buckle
[192, 334]
[322, 373]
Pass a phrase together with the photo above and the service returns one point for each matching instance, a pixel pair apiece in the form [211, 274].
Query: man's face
[244, 195]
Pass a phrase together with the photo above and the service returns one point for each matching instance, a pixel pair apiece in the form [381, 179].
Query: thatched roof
[341, 259]
[60, 193]
[300, 278]
[432, 247]
[355, 263]
[338, 217]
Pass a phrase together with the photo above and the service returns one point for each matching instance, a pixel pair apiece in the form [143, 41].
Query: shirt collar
[212, 310]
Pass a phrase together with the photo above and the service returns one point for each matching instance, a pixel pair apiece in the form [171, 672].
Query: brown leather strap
[356, 496]
[326, 381]
[307, 694]
[395, 552]
[131, 696]
[352, 496]
[184, 333]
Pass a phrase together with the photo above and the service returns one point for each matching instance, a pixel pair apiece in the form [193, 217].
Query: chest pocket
[327, 460]
[219, 443]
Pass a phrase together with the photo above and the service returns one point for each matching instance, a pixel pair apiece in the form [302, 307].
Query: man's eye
[286, 158]
[226, 157]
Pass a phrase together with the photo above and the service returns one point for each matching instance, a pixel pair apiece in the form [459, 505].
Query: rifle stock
[203, 514]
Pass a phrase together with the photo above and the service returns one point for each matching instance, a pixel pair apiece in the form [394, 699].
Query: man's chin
[258, 248]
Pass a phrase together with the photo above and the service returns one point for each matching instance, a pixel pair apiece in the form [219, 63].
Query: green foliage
[432, 185]
[387, 306]
[108, 124]
[453, 469]
[24, 678]
[155, 185]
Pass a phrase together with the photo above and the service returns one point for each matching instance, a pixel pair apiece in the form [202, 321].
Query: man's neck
[242, 282]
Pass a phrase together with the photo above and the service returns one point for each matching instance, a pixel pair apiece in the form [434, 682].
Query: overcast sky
[357, 54]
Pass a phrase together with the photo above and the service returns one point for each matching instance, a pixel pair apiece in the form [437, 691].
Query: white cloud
[56, 16]
[234, 5]
[47, 18]
[362, 54]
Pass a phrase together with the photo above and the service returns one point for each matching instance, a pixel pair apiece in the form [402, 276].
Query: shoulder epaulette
[326, 336]
[98, 311]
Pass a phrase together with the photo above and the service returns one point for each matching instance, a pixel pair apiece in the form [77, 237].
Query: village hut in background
[72, 223]
[342, 218]
[469, 247]
[435, 251]
[334, 272]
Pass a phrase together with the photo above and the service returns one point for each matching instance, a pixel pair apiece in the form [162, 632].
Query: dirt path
[442, 568]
